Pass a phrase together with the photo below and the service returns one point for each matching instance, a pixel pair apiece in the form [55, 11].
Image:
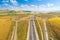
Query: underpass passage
[32, 31]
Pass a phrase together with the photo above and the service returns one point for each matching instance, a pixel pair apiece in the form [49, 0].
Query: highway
[32, 32]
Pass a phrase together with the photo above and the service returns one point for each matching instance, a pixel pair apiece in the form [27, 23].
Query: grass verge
[22, 30]
[55, 25]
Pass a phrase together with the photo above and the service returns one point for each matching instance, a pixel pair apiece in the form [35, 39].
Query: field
[55, 25]
[22, 30]
[12, 12]
[52, 24]
[7, 25]
[39, 26]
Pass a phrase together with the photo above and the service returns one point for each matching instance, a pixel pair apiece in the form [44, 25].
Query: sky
[30, 5]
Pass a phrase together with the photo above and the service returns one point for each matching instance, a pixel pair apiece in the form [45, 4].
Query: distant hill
[5, 12]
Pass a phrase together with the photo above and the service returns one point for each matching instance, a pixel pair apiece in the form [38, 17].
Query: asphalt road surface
[32, 32]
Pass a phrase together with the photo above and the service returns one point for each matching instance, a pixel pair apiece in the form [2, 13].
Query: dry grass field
[22, 28]
[5, 25]
[51, 22]
[55, 25]
[39, 24]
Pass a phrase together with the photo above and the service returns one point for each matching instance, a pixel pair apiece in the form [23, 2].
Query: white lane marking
[28, 31]
[40, 29]
[32, 32]
[45, 31]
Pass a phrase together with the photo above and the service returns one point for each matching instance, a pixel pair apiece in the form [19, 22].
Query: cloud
[50, 5]
[41, 8]
[28, 7]
[14, 2]
[24, 6]
[46, 9]
[5, 0]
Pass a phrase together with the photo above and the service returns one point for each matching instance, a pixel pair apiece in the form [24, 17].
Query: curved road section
[32, 32]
